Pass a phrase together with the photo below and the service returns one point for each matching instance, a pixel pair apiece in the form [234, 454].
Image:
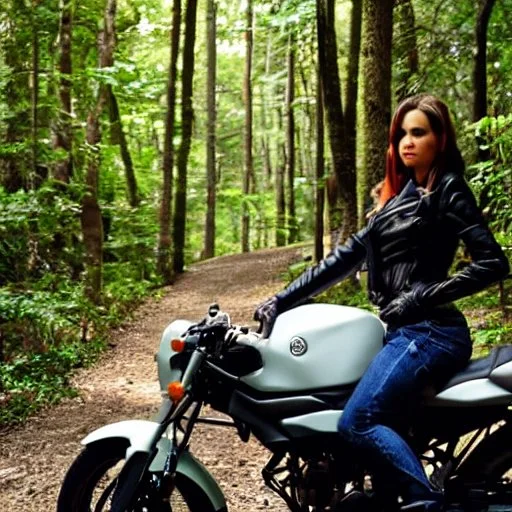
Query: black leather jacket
[409, 246]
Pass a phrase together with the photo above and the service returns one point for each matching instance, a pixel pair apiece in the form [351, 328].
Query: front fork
[174, 417]
[178, 445]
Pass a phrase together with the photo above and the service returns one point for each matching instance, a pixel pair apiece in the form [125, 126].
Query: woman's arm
[488, 262]
[332, 269]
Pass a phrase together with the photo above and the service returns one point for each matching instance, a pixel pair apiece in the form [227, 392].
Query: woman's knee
[347, 424]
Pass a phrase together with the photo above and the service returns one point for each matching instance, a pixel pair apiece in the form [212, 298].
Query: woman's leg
[414, 357]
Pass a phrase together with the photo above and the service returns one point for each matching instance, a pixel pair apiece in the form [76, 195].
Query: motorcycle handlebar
[215, 332]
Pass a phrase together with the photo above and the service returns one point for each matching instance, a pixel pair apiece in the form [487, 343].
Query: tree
[320, 182]
[280, 189]
[480, 65]
[378, 29]
[187, 117]
[343, 160]
[290, 141]
[405, 44]
[92, 226]
[248, 163]
[164, 240]
[14, 168]
[62, 132]
[351, 97]
[209, 235]
[34, 95]
[118, 136]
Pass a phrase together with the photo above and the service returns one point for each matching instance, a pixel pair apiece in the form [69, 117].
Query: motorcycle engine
[318, 487]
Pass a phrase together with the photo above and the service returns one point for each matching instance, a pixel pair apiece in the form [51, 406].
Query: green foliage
[43, 311]
[47, 325]
[349, 292]
[492, 334]
[489, 325]
[34, 227]
[34, 380]
[492, 179]
[488, 299]
[47, 334]
[34, 319]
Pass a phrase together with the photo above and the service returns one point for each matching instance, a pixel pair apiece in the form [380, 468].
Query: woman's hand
[266, 313]
[402, 310]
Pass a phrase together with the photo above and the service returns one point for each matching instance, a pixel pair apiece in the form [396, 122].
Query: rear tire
[486, 475]
[89, 484]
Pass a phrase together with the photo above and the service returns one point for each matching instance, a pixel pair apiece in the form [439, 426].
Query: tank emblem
[298, 346]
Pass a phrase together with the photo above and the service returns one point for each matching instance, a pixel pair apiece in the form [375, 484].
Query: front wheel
[91, 480]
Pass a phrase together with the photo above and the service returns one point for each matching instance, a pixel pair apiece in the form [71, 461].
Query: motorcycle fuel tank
[317, 346]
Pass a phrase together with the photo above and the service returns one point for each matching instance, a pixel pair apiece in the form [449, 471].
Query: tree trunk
[406, 45]
[290, 142]
[266, 126]
[209, 235]
[280, 196]
[13, 167]
[2, 356]
[92, 226]
[265, 156]
[350, 226]
[480, 66]
[344, 169]
[320, 184]
[308, 126]
[248, 163]
[187, 117]
[62, 133]
[118, 135]
[33, 176]
[378, 31]
[164, 239]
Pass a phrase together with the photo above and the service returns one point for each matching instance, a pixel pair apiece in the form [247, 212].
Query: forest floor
[123, 384]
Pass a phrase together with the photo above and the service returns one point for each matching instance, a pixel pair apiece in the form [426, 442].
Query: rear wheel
[90, 484]
[485, 478]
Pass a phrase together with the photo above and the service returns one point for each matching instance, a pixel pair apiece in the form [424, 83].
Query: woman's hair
[448, 156]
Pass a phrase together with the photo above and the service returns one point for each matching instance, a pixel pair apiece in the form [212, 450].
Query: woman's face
[418, 144]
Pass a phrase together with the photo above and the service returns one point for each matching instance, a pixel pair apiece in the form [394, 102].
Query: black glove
[266, 313]
[402, 310]
[233, 333]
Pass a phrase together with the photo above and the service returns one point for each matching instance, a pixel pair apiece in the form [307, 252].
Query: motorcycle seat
[483, 367]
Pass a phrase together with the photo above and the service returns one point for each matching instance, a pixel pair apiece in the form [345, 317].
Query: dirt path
[123, 385]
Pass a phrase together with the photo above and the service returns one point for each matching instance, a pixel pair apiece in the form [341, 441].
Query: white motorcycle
[289, 391]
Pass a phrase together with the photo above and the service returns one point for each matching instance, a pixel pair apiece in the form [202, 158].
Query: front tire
[90, 483]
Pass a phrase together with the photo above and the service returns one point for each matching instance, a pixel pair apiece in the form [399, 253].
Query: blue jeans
[413, 357]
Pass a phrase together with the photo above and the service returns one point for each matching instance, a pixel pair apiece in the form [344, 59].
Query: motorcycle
[289, 390]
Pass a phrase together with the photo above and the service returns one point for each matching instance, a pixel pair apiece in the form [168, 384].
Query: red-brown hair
[448, 156]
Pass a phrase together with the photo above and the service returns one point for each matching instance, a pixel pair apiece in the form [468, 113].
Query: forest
[140, 136]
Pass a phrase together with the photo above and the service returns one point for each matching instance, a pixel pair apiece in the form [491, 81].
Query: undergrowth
[49, 329]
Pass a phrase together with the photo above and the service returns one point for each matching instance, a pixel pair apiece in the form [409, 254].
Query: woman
[425, 207]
